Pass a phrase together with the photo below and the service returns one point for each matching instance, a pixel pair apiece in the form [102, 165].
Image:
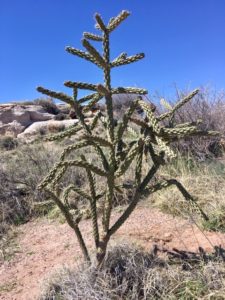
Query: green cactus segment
[57, 95]
[122, 56]
[183, 131]
[167, 183]
[129, 90]
[103, 90]
[60, 172]
[166, 104]
[93, 37]
[67, 133]
[150, 115]
[70, 163]
[123, 125]
[74, 147]
[100, 24]
[129, 158]
[92, 103]
[71, 223]
[178, 105]
[115, 22]
[81, 85]
[80, 192]
[87, 98]
[127, 60]
[139, 122]
[138, 170]
[83, 54]
[95, 120]
[93, 205]
[94, 53]
[108, 204]
[97, 139]
[165, 148]
[86, 165]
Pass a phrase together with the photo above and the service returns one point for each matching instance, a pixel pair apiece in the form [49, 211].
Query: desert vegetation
[169, 154]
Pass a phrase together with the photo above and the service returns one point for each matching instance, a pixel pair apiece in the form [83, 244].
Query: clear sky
[184, 43]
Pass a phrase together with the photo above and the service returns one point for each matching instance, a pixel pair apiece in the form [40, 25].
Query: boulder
[23, 114]
[14, 118]
[13, 128]
[45, 127]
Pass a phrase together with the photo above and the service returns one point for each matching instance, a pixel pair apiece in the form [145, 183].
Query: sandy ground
[46, 245]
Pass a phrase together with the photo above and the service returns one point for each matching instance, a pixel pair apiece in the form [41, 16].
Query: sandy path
[45, 246]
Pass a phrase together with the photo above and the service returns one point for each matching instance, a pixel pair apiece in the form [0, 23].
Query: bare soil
[46, 245]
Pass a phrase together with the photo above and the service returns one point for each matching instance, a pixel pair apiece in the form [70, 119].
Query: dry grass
[20, 171]
[129, 273]
[205, 181]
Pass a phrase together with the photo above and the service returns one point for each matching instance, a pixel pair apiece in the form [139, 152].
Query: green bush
[8, 143]
[48, 105]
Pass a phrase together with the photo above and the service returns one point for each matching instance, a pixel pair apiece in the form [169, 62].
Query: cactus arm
[138, 169]
[165, 148]
[152, 120]
[123, 125]
[127, 60]
[81, 85]
[129, 90]
[93, 199]
[93, 37]
[69, 163]
[92, 103]
[167, 183]
[178, 105]
[95, 120]
[129, 158]
[97, 139]
[94, 53]
[67, 133]
[115, 22]
[100, 24]
[57, 95]
[70, 148]
[87, 98]
[87, 129]
[125, 215]
[71, 223]
[84, 55]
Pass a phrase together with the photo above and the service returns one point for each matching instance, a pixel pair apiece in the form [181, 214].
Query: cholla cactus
[114, 152]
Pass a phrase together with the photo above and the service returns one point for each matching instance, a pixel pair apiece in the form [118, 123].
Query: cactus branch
[69, 219]
[57, 95]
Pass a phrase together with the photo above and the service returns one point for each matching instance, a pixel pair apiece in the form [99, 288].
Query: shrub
[61, 116]
[129, 273]
[8, 143]
[114, 151]
[20, 170]
[54, 128]
[48, 105]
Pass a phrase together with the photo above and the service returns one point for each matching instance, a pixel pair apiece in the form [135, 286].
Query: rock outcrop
[15, 118]
[45, 127]
[27, 121]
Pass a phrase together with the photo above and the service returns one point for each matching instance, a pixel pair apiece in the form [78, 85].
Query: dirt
[46, 245]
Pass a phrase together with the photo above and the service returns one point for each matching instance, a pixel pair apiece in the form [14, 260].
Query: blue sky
[184, 43]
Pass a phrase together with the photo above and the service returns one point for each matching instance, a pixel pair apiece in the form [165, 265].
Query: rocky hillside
[24, 121]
